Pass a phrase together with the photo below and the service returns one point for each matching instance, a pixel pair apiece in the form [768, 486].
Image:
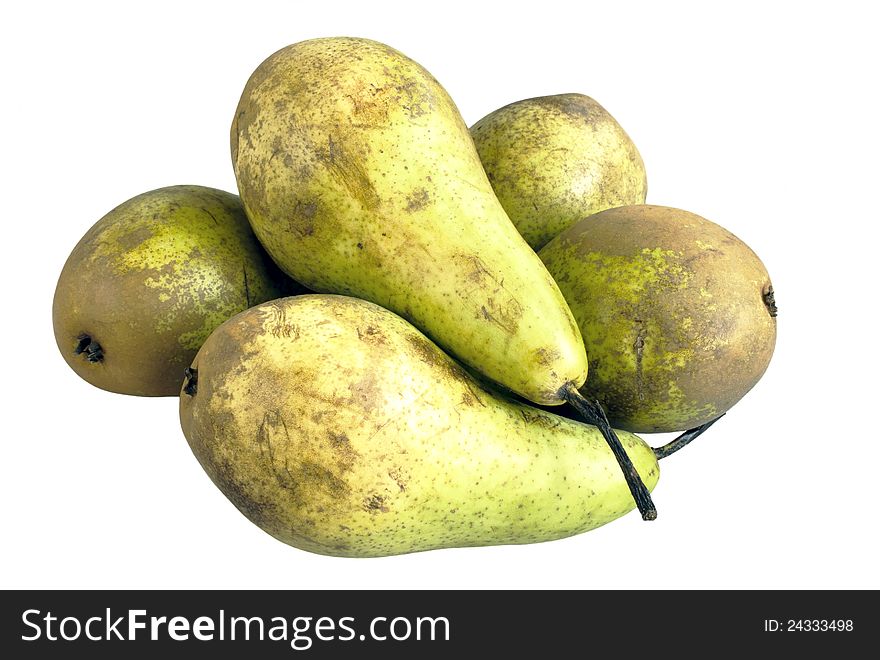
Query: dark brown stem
[683, 440]
[592, 413]
[191, 381]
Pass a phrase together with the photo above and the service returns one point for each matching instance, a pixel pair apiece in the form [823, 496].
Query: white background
[762, 117]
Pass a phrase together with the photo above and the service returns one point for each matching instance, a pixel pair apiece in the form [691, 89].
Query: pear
[677, 314]
[359, 177]
[339, 428]
[554, 160]
[149, 282]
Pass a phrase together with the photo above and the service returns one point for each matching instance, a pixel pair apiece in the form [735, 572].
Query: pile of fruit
[367, 343]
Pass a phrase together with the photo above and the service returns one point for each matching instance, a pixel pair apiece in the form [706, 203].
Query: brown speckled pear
[339, 428]
[554, 160]
[359, 177]
[149, 282]
[677, 314]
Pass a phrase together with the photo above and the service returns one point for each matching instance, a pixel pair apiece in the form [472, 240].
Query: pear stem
[684, 439]
[592, 413]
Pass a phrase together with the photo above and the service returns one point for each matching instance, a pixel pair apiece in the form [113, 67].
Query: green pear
[554, 160]
[678, 314]
[337, 427]
[149, 282]
[359, 177]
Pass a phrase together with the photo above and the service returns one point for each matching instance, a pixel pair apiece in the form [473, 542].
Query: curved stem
[683, 440]
[592, 413]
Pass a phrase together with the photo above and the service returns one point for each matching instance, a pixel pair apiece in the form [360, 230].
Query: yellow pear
[359, 177]
[339, 428]
[554, 160]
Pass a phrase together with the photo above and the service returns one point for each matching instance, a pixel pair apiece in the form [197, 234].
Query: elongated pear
[339, 428]
[359, 177]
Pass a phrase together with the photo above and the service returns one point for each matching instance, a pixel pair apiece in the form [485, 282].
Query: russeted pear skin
[678, 315]
[338, 428]
[554, 160]
[359, 177]
[150, 280]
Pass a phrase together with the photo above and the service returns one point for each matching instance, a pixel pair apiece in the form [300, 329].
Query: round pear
[678, 315]
[149, 282]
[554, 160]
